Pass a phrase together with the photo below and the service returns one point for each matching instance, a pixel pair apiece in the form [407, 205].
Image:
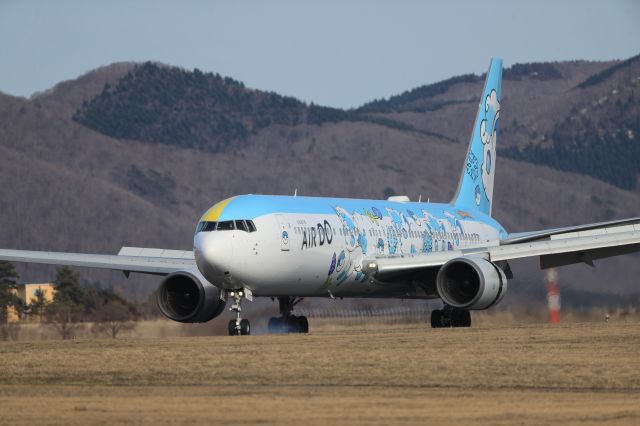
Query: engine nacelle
[186, 296]
[471, 283]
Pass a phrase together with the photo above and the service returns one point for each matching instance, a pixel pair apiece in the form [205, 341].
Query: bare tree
[112, 318]
[66, 311]
[64, 317]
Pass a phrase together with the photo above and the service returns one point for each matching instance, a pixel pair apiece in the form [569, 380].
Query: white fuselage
[310, 254]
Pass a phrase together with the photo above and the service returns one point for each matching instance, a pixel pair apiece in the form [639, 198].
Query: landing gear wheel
[436, 318]
[303, 325]
[466, 322]
[457, 318]
[450, 317]
[288, 323]
[275, 325]
[232, 328]
[245, 327]
[460, 318]
[239, 326]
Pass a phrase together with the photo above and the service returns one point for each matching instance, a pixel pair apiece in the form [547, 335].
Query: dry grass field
[570, 374]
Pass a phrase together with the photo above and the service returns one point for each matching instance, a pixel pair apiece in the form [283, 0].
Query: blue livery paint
[255, 206]
[475, 189]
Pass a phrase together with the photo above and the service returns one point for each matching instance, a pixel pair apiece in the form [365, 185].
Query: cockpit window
[226, 225]
[206, 227]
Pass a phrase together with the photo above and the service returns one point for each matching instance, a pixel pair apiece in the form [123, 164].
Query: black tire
[303, 325]
[275, 325]
[447, 319]
[457, 318]
[467, 319]
[436, 318]
[245, 327]
[232, 328]
[291, 324]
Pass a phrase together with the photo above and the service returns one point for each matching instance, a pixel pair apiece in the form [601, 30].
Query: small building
[28, 294]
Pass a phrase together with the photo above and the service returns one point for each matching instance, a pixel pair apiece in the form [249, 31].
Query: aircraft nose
[213, 252]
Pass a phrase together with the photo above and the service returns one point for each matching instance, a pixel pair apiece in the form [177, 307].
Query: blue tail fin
[475, 189]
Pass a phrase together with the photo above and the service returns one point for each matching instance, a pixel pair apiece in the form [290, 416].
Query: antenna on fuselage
[295, 192]
[420, 198]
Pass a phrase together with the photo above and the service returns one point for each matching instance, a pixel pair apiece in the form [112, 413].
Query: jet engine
[186, 296]
[471, 283]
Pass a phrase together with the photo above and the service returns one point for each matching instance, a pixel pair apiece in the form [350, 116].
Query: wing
[522, 237]
[558, 247]
[129, 259]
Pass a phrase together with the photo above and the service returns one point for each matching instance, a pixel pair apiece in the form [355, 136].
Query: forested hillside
[600, 135]
[131, 154]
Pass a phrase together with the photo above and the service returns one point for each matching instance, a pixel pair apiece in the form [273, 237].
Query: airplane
[294, 247]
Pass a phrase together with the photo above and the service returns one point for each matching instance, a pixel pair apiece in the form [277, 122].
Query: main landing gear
[450, 317]
[288, 323]
[238, 326]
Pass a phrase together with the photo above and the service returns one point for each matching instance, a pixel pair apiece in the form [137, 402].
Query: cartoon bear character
[488, 135]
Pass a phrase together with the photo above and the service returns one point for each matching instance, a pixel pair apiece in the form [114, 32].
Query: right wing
[552, 247]
[522, 237]
[129, 259]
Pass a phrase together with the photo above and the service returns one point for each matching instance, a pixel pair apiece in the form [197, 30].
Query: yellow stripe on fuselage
[213, 214]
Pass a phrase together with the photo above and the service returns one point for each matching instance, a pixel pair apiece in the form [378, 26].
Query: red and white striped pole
[553, 296]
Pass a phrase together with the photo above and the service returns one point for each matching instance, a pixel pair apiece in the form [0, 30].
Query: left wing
[129, 259]
[557, 249]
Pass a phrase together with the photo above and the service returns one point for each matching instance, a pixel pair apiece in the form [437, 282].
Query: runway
[389, 375]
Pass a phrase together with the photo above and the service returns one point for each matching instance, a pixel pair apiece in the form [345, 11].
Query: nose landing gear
[288, 323]
[238, 326]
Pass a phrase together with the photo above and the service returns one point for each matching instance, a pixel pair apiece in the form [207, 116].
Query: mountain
[599, 135]
[131, 154]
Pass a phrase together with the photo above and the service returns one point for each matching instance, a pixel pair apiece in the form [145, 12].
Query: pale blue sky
[336, 53]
